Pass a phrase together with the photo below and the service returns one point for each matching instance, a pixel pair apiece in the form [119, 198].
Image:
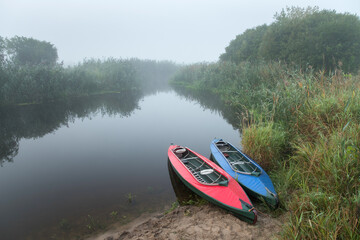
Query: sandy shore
[192, 222]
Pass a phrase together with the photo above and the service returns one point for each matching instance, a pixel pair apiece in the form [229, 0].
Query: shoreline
[193, 222]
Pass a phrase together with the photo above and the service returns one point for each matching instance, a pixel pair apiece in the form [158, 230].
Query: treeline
[298, 119]
[324, 39]
[30, 73]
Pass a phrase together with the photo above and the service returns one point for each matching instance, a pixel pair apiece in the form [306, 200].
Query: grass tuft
[265, 143]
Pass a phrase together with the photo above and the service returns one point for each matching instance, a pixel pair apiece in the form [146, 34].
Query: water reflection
[34, 121]
[101, 151]
[183, 193]
[230, 113]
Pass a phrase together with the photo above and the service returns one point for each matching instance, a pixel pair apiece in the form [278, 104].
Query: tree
[2, 50]
[3, 76]
[245, 46]
[322, 39]
[29, 51]
[302, 36]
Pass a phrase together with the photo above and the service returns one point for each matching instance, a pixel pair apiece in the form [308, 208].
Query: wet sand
[193, 222]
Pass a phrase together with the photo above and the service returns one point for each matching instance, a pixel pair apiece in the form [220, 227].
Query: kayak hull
[258, 186]
[228, 196]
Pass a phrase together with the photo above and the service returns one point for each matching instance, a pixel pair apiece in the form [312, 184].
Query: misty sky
[184, 31]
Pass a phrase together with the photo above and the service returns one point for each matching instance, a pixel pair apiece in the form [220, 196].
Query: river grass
[303, 127]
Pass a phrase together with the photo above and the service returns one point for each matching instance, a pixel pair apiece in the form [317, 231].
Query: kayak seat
[180, 152]
[221, 143]
[223, 146]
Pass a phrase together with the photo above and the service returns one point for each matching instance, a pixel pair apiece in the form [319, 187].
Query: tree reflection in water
[233, 115]
[34, 121]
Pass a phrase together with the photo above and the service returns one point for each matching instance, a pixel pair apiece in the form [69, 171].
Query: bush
[323, 39]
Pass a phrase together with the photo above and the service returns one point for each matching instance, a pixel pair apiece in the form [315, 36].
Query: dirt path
[192, 222]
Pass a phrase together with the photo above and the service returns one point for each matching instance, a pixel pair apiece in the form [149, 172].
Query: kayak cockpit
[237, 161]
[202, 171]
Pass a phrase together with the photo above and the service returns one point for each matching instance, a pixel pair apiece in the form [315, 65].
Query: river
[71, 168]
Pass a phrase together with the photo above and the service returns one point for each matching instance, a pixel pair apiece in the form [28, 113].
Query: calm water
[67, 166]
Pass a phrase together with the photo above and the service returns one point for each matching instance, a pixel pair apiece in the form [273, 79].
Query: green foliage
[42, 83]
[30, 51]
[325, 205]
[312, 37]
[93, 224]
[130, 197]
[29, 74]
[3, 74]
[114, 214]
[174, 205]
[265, 143]
[2, 50]
[245, 47]
[245, 86]
[196, 201]
[95, 75]
[302, 36]
[306, 126]
[27, 84]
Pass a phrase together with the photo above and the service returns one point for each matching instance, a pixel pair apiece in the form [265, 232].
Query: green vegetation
[245, 47]
[264, 142]
[195, 200]
[29, 51]
[174, 205]
[304, 128]
[130, 197]
[29, 73]
[301, 124]
[93, 224]
[323, 39]
[114, 214]
[288, 85]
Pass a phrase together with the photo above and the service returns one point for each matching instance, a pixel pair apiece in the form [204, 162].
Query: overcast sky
[184, 31]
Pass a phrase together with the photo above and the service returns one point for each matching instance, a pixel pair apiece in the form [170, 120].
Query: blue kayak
[246, 171]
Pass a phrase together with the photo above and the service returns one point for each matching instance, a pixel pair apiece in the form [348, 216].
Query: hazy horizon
[180, 31]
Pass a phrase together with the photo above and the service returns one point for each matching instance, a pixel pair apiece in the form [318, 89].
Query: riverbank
[302, 126]
[194, 222]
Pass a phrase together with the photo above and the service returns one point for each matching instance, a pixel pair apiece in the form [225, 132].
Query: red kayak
[209, 181]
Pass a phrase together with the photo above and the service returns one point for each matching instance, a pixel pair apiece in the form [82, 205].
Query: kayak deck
[237, 161]
[246, 171]
[209, 181]
[201, 171]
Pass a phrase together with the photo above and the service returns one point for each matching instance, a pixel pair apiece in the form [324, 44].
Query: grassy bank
[304, 128]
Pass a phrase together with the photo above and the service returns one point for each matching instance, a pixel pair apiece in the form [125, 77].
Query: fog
[184, 31]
